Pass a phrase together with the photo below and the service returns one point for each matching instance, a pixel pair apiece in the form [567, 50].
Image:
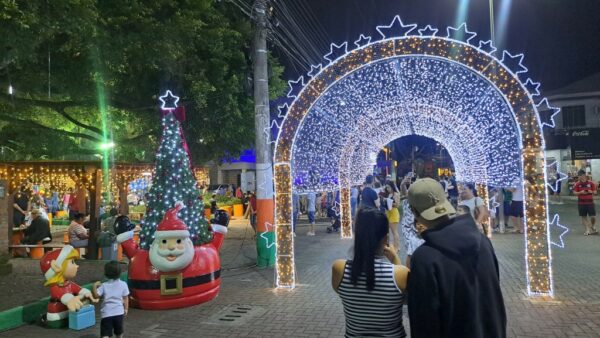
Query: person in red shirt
[585, 191]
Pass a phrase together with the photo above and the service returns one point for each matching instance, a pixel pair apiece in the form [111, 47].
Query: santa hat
[56, 255]
[171, 225]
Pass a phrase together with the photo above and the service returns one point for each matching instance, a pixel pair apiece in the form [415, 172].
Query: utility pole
[264, 158]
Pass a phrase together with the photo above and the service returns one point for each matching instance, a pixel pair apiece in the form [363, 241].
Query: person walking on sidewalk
[311, 208]
[585, 191]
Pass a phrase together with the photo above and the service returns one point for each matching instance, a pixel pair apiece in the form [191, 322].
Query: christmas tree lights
[413, 82]
[173, 181]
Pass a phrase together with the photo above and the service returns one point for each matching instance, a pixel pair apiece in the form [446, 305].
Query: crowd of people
[451, 278]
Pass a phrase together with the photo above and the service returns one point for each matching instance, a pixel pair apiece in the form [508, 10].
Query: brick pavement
[314, 310]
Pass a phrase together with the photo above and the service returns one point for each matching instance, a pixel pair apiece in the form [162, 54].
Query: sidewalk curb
[30, 313]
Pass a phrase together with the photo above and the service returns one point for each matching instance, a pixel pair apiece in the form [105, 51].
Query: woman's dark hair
[471, 187]
[112, 270]
[78, 216]
[371, 227]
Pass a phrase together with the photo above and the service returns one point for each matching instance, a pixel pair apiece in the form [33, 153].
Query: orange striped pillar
[265, 239]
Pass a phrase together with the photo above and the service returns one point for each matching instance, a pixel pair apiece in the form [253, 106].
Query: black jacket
[37, 231]
[454, 286]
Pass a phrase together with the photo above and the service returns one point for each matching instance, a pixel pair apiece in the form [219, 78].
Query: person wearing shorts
[516, 206]
[585, 190]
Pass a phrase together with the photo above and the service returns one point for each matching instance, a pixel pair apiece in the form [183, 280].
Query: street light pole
[264, 158]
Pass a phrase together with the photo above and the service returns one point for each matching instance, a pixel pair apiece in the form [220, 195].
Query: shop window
[573, 116]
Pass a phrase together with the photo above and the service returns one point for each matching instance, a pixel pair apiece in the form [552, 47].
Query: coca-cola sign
[581, 133]
[584, 144]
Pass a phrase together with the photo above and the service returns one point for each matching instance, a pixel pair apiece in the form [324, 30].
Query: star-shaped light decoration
[460, 33]
[560, 229]
[314, 70]
[269, 131]
[494, 203]
[532, 87]
[335, 51]
[337, 208]
[428, 31]
[514, 62]
[560, 176]
[283, 109]
[487, 46]
[295, 87]
[261, 190]
[362, 41]
[262, 235]
[396, 28]
[544, 106]
[169, 101]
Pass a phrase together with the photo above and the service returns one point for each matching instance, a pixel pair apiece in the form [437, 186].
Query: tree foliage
[66, 58]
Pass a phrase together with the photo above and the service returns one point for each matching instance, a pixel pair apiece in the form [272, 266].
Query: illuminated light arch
[449, 90]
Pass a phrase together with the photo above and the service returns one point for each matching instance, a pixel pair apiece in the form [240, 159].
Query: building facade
[575, 141]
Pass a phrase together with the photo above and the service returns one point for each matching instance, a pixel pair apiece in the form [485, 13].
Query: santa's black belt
[187, 282]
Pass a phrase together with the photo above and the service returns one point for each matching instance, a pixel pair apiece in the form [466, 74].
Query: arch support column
[346, 212]
[284, 261]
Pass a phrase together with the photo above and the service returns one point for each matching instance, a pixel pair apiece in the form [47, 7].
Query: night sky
[560, 38]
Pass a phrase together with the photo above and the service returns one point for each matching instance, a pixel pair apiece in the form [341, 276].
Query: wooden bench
[36, 251]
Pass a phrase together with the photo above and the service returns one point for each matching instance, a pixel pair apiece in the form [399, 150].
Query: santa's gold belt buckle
[177, 290]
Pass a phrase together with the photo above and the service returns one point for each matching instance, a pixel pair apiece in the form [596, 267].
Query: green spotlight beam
[107, 144]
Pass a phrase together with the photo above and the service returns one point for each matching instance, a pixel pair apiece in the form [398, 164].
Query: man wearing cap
[454, 285]
[369, 197]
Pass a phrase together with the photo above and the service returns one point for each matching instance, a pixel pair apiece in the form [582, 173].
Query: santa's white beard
[159, 260]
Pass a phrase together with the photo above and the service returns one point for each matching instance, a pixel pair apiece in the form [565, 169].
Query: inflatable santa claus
[174, 273]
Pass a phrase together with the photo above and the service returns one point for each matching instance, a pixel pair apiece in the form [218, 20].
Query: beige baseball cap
[429, 198]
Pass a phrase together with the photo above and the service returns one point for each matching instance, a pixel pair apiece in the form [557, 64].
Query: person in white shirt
[115, 304]
[516, 207]
[477, 207]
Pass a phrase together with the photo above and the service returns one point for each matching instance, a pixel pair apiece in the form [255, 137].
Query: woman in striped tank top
[371, 285]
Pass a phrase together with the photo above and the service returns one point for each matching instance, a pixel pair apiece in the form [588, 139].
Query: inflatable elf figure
[59, 268]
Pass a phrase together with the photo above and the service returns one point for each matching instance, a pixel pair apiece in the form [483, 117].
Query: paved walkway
[314, 310]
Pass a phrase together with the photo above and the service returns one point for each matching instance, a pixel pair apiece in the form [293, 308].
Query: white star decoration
[314, 70]
[336, 51]
[428, 31]
[563, 230]
[283, 109]
[295, 87]
[532, 87]
[391, 30]
[509, 60]
[560, 175]
[269, 131]
[262, 235]
[493, 203]
[362, 40]
[169, 100]
[461, 33]
[487, 46]
[544, 106]
[336, 208]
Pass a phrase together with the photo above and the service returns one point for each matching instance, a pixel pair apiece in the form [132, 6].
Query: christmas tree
[174, 182]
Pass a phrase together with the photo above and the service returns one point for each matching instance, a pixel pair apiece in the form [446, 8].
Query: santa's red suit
[196, 283]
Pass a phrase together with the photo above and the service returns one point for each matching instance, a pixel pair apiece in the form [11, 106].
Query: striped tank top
[376, 313]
